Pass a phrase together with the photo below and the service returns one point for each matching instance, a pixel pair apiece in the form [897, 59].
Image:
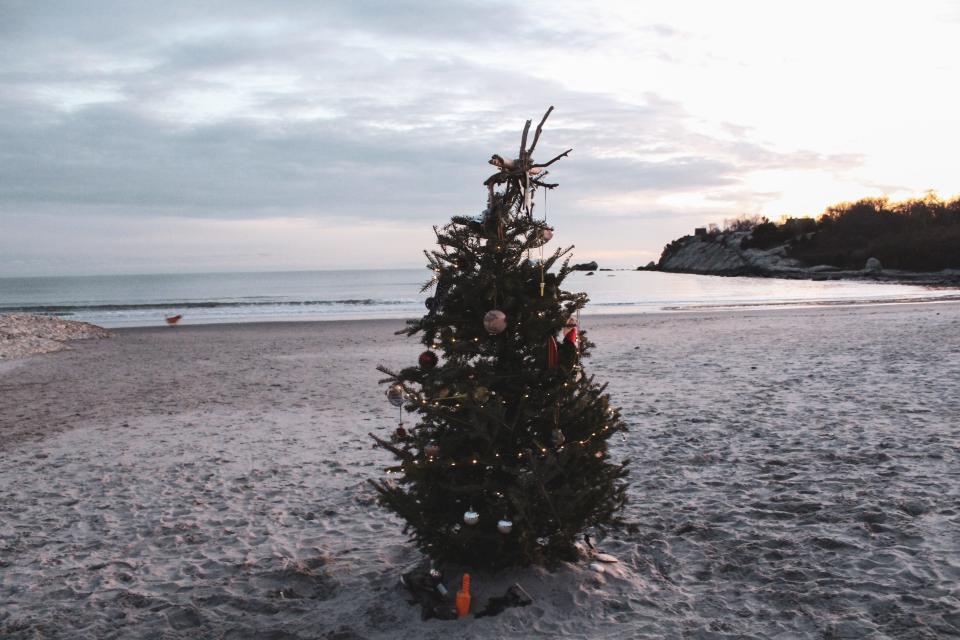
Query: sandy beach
[795, 474]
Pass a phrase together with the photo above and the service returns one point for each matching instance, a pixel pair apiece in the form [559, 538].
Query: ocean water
[145, 300]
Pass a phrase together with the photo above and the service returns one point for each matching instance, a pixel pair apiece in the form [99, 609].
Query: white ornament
[504, 526]
[471, 517]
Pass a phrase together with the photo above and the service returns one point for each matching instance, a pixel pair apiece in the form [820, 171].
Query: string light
[520, 454]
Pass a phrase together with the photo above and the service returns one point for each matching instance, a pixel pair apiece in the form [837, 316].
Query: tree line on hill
[915, 235]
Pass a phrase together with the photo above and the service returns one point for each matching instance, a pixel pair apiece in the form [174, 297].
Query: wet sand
[796, 474]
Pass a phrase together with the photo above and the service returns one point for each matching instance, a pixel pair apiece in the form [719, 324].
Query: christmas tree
[508, 463]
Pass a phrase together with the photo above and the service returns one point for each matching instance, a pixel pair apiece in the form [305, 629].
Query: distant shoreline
[50, 334]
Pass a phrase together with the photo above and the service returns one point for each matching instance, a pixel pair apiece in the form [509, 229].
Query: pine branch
[383, 369]
[406, 456]
[545, 185]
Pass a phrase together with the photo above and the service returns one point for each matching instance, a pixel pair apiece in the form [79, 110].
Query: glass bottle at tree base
[512, 433]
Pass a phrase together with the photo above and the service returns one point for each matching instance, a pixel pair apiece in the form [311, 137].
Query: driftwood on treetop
[522, 172]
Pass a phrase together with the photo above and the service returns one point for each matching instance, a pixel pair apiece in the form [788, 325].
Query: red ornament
[401, 432]
[551, 352]
[432, 450]
[570, 332]
[428, 360]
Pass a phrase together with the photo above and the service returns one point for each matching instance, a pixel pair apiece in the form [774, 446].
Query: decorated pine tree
[508, 461]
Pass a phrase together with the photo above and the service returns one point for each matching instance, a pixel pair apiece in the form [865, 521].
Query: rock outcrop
[23, 335]
[585, 266]
[721, 254]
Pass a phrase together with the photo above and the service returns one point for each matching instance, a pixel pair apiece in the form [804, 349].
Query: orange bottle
[463, 597]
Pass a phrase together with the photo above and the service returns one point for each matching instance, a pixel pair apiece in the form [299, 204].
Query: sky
[163, 137]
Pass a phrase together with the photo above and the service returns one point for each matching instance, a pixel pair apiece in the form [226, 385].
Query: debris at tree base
[436, 600]
[23, 335]
[429, 592]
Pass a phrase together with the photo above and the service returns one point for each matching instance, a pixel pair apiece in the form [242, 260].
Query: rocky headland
[23, 335]
[723, 254]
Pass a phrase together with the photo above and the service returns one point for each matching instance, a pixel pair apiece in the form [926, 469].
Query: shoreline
[595, 310]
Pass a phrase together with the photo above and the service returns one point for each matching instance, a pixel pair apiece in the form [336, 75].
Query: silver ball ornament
[546, 235]
[471, 517]
[395, 394]
[504, 526]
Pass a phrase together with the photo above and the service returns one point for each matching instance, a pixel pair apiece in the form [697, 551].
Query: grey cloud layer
[365, 110]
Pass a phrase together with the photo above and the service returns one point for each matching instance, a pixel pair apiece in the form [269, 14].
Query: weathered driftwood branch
[521, 175]
[547, 164]
[536, 135]
[524, 159]
[497, 178]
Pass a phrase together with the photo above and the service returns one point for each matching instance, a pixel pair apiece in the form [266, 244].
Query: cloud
[346, 112]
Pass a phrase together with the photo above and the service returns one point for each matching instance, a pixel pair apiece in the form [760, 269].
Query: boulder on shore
[585, 266]
[23, 335]
[873, 266]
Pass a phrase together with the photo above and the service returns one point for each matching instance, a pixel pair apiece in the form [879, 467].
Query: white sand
[795, 475]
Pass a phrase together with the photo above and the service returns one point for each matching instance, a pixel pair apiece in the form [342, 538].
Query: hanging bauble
[429, 303]
[401, 432]
[542, 541]
[570, 331]
[551, 352]
[557, 438]
[546, 235]
[481, 394]
[495, 321]
[504, 526]
[471, 517]
[428, 360]
[432, 450]
[395, 394]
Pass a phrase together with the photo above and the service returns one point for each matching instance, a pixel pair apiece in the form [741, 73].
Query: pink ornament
[546, 235]
[495, 321]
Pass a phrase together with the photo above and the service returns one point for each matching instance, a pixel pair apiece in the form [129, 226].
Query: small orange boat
[172, 320]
